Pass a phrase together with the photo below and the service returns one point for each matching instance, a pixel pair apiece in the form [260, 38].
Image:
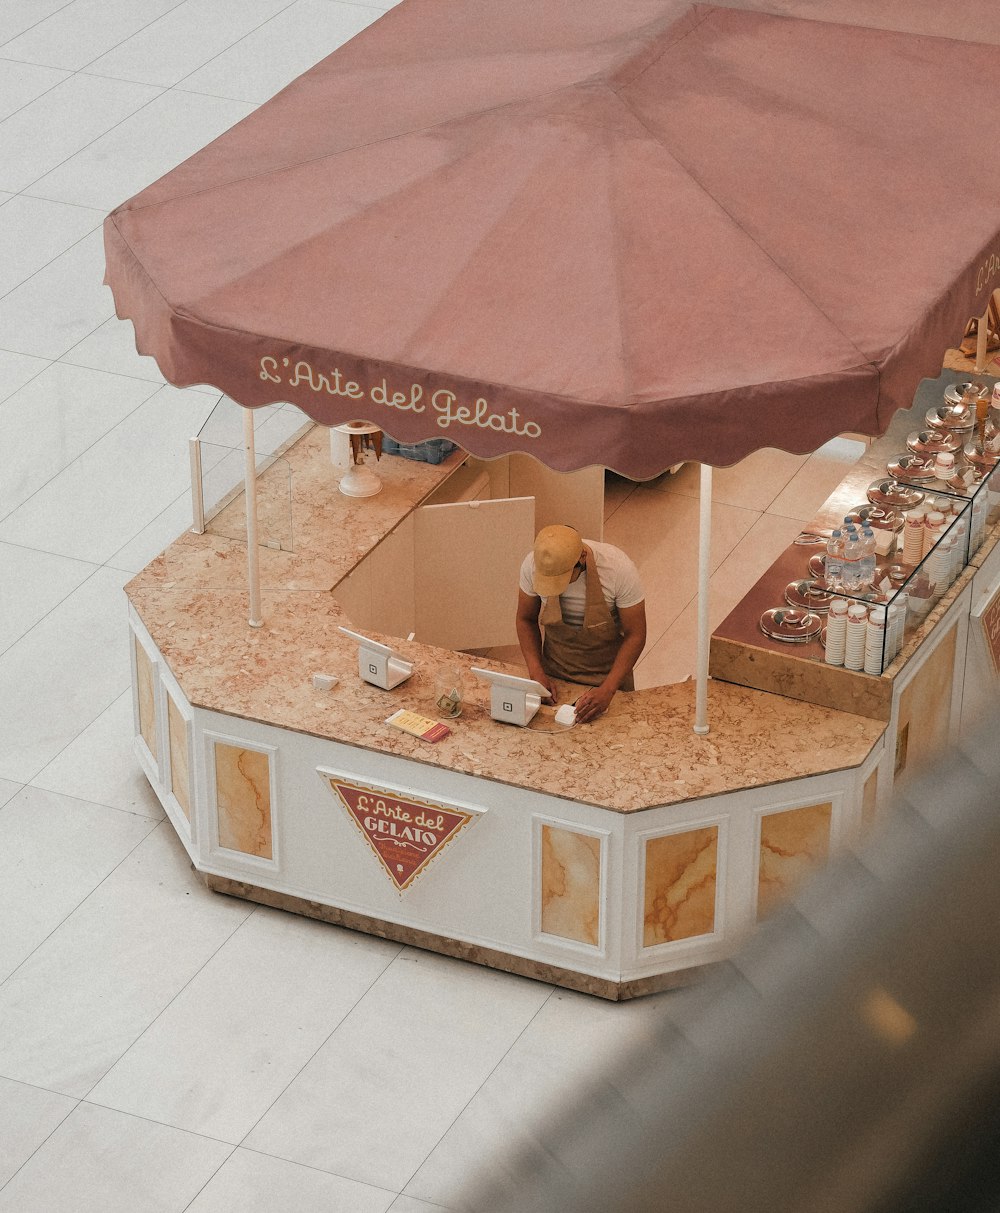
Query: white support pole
[197, 487]
[250, 480]
[704, 549]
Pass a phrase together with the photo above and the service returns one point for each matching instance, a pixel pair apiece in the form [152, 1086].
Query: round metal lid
[950, 417]
[965, 479]
[817, 566]
[898, 573]
[980, 456]
[809, 595]
[954, 393]
[893, 494]
[790, 625]
[910, 468]
[878, 517]
[931, 442]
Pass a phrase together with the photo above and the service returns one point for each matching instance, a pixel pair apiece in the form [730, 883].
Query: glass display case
[924, 532]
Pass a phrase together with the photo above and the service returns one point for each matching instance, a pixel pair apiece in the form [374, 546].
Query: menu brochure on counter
[417, 725]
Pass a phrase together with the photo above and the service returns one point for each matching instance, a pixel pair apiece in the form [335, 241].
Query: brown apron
[586, 653]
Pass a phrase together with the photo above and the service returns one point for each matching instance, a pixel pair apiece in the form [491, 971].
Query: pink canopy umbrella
[596, 233]
[590, 232]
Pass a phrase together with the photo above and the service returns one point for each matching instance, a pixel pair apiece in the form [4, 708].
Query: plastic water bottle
[834, 563]
[851, 575]
[868, 563]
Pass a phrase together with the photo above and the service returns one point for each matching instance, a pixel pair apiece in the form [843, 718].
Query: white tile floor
[163, 1048]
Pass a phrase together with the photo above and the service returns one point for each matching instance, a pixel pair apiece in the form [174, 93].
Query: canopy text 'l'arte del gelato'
[987, 271]
[443, 401]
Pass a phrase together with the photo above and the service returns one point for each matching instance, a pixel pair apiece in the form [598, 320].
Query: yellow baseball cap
[557, 549]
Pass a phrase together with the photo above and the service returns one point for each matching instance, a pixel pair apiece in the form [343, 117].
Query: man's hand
[593, 703]
[540, 676]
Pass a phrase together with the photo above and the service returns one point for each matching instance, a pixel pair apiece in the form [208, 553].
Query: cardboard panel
[354, 596]
[573, 498]
[467, 560]
[392, 586]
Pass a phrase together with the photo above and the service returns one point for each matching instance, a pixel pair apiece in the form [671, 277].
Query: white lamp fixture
[360, 480]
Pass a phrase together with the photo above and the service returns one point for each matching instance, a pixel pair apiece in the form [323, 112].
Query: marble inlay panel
[680, 880]
[792, 844]
[145, 685]
[571, 885]
[243, 800]
[180, 765]
[869, 802]
[925, 708]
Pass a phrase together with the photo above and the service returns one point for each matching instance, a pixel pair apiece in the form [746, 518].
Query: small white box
[323, 682]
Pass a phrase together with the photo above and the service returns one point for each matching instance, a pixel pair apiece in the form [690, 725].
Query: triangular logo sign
[405, 834]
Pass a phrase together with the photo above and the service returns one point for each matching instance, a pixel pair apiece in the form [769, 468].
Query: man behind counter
[593, 616]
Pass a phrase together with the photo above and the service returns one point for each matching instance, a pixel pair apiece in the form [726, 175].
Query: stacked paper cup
[874, 640]
[933, 530]
[857, 630]
[836, 631]
[913, 537]
[938, 564]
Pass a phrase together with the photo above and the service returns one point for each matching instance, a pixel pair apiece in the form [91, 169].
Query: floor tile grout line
[26, 547]
[80, 206]
[75, 739]
[209, 1179]
[154, 825]
[361, 4]
[48, 362]
[83, 147]
[134, 1116]
[34, 273]
[54, 1130]
[317, 1170]
[106, 51]
[513, 1044]
[400, 948]
[76, 459]
[97, 568]
[162, 1011]
[242, 38]
[39, 96]
[99, 804]
[35, 24]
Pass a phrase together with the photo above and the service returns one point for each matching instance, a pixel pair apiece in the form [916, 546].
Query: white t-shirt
[619, 580]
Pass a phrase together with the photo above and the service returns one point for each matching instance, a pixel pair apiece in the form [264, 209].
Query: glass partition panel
[223, 491]
[218, 471]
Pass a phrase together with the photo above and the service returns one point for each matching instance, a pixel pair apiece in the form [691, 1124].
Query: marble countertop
[193, 600]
